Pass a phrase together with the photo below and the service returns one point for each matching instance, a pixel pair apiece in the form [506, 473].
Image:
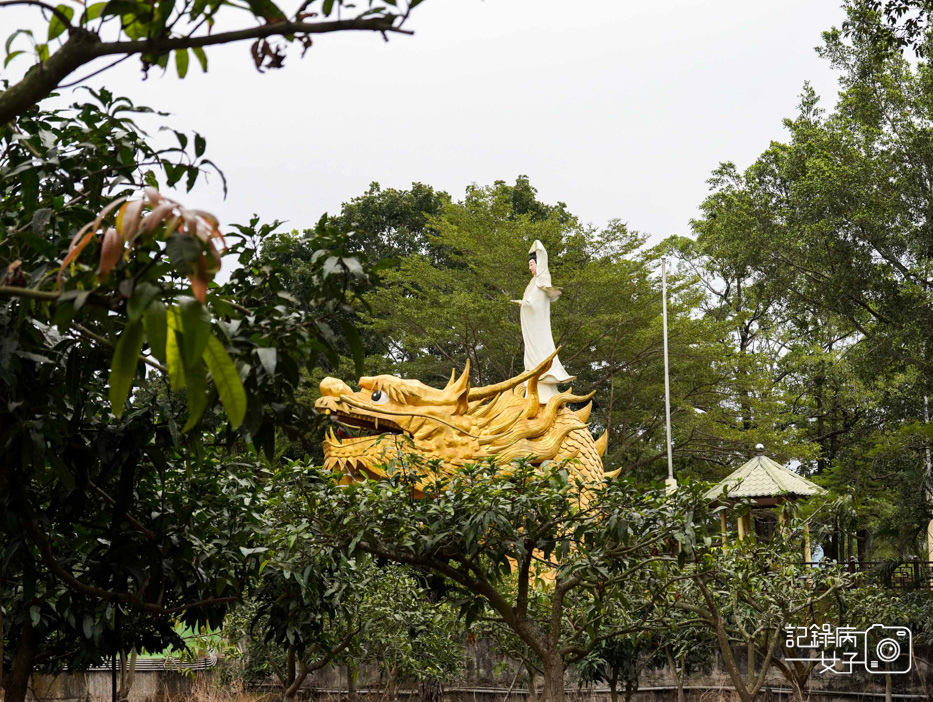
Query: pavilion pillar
[929, 564]
[741, 523]
[807, 557]
[724, 524]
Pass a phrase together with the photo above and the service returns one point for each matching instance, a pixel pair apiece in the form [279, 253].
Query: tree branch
[63, 18]
[83, 46]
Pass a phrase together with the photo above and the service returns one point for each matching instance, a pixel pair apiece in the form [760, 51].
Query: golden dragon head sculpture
[391, 417]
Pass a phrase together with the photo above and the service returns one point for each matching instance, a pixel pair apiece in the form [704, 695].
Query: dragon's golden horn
[531, 398]
[463, 381]
[490, 390]
[461, 389]
[613, 473]
[602, 442]
[583, 414]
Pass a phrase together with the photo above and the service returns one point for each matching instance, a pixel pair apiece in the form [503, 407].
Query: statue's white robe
[536, 328]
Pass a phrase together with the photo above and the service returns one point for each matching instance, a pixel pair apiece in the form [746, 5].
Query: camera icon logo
[888, 646]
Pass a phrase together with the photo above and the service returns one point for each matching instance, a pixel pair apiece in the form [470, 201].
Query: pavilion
[767, 484]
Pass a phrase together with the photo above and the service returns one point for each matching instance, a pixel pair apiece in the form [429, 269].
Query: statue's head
[533, 263]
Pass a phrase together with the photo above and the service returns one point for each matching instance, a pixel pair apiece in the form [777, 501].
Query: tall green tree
[833, 224]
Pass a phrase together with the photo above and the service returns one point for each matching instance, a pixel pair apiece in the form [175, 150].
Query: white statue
[536, 323]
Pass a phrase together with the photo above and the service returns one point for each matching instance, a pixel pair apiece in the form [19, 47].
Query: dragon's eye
[379, 397]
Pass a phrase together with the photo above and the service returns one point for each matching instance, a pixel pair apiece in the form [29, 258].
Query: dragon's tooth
[377, 423]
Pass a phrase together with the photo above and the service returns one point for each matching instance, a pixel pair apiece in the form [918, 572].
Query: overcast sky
[619, 108]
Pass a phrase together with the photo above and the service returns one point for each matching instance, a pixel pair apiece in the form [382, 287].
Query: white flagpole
[671, 481]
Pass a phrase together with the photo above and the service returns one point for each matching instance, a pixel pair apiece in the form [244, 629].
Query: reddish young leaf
[199, 280]
[156, 217]
[110, 252]
[85, 235]
[128, 219]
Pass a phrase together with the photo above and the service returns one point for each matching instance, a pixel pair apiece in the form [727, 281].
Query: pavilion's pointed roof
[762, 477]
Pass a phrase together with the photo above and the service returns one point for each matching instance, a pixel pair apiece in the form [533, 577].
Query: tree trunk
[18, 682]
[680, 689]
[888, 686]
[352, 694]
[629, 690]
[1, 639]
[289, 688]
[613, 689]
[127, 674]
[390, 693]
[296, 675]
[430, 690]
[678, 680]
[532, 684]
[554, 679]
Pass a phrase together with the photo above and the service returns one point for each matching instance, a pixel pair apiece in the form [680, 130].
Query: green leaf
[143, 294]
[119, 7]
[356, 344]
[155, 323]
[42, 50]
[93, 12]
[199, 145]
[123, 368]
[56, 26]
[201, 57]
[268, 357]
[182, 249]
[227, 380]
[181, 62]
[12, 37]
[164, 12]
[328, 7]
[196, 328]
[10, 57]
[196, 381]
[176, 369]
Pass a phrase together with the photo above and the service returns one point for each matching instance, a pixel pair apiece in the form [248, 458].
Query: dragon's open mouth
[356, 426]
[357, 442]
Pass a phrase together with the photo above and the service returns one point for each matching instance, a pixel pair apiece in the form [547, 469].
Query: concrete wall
[149, 686]
[487, 678]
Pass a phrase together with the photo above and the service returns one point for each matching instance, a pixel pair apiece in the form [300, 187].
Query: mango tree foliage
[499, 532]
[126, 373]
[744, 594]
[313, 604]
[174, 31]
